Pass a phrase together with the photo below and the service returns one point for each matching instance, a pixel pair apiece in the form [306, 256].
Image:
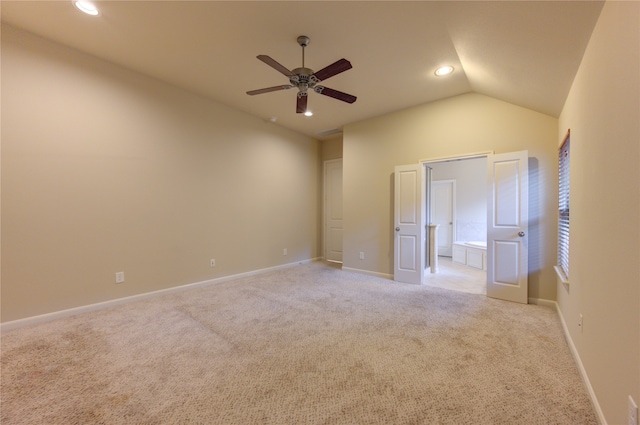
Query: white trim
[563, 277]
[542, 302]
[48, 317]
[368, 273]
[456, 157]
[581, 369]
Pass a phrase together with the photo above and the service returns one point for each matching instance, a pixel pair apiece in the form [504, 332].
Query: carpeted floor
[308, 345]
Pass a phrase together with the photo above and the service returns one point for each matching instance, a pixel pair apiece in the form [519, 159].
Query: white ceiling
[526, 53]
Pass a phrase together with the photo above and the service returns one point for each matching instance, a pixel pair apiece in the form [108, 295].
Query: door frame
[426, 162]
[325, 215]
[452, 182]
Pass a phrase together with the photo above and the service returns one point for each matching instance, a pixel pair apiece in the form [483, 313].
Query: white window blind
[564, 155]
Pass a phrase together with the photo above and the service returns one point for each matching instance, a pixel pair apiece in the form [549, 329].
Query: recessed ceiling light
[87, 8]
[308, 113]
[444, 70]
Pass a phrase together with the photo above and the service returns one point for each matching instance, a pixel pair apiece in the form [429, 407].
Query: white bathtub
[472, 254]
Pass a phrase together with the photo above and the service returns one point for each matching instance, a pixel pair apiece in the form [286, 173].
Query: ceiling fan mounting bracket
[304, 41]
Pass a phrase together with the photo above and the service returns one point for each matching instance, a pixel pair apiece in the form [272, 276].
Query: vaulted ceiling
[526, 53]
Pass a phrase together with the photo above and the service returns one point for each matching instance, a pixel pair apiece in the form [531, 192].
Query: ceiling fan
[305, 79]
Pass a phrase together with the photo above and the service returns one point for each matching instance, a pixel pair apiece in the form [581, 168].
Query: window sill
[563, 277]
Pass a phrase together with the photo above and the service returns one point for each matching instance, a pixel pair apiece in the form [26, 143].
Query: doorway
[507, 221]
[458, 204]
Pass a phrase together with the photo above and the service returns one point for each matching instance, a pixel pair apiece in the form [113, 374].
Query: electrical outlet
[213, 262]
[580, 323]
[362, 255]
[633, 412]
[119, 277]
[284, 251]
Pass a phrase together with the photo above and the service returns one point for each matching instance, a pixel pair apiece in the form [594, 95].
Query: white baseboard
[543, 302]
[34, 320]
[583, 372]
[368, 272]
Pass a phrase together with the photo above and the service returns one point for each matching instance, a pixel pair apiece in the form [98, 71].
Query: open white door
[409, 220]
[507, 226]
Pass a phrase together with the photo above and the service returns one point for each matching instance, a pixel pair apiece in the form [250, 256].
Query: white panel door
[409, 220]
[443, 205]
[333, 210]
[507, 226]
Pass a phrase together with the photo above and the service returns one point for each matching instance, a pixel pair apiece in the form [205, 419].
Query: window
[563, 209]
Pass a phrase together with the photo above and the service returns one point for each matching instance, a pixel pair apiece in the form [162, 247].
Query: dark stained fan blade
[301, 104]
[275, 65]
[335, 94]
[269, 89]
[333, 69]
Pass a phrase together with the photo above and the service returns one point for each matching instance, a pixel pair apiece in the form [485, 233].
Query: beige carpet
[306, 345]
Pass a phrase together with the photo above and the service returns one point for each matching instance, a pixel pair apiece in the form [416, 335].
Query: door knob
[397, 229]
[521, 234]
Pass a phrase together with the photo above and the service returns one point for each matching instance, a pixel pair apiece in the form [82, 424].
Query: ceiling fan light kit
[305, 79]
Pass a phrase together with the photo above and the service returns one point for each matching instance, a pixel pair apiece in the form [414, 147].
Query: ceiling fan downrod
[303, 41]
[303, 78]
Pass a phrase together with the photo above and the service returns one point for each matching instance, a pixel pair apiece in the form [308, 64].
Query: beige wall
[603, 113]
[104, 170]
[456, 126]
[332, 148]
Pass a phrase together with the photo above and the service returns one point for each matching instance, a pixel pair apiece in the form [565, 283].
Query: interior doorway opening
[507, 191]
[457, 203]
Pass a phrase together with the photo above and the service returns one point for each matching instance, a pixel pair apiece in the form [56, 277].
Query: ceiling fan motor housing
[303, 79]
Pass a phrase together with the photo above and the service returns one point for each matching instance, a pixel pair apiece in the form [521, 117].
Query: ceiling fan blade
[345, 97]
[301, 104]
[275, 65]
[333, 69]
[269, 89]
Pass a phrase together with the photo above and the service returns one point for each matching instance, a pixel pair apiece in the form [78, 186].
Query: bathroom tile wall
[471, 230]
